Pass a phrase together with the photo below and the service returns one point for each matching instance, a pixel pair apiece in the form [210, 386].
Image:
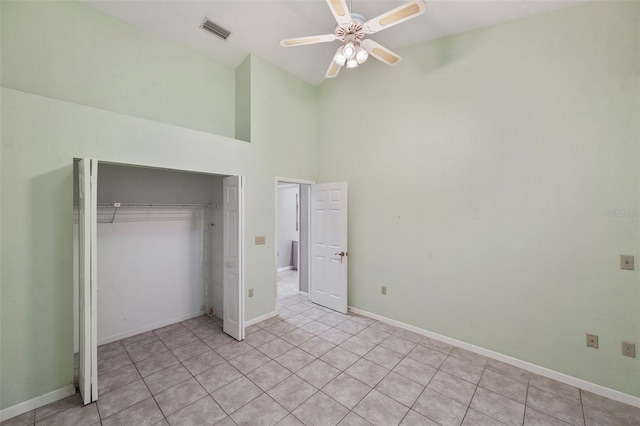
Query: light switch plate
[260, 240]
[626, 262]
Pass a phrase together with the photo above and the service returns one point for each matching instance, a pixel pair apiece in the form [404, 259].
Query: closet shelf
[138, 212]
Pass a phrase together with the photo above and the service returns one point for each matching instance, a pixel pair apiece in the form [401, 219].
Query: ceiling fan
[351, 30]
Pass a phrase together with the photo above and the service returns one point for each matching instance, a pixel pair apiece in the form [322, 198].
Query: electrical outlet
[592, 341]
[250, 292]
[626, 262]
[629, 349]
[383, 290]
[260, 240]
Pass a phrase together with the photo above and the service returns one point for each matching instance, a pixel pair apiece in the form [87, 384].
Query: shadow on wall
[432, 56]
[51, 280]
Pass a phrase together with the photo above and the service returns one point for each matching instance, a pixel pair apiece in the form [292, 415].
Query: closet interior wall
[160, 253]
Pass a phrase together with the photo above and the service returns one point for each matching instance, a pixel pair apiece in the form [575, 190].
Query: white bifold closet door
[328, 285]
[232, 207]
[87, 231]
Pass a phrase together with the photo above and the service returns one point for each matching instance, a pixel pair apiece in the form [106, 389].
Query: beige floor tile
[398, 344]
[263, 411]
[292, 392]
[179, 396]
[358, 345]
[428, 356]
[463, 369]
[340, 358]
[414, 370]
[367, 372]
[249, 361]
[453, 387]
[169, 377]
[218, 376]
[141, 414]
[537, 418]
[564, 409]
[320, 410]
[440, 408]
[504, 386]
[236, 394]
[318, 373]
[400, 388]
[118, 378]
[204, 411]
[379, 409]
[498, 407]
[317, 346]
[346, 390]
[74, 400]
[268, 375]
[275, 348]
[437, 345]
[191, 350]
[124, 397]
[414, 419]
[203, 362]
[295, 359]
[476, 418]
[156, 363]
[384, 357]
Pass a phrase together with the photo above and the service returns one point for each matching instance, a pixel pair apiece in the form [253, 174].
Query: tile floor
[313, 366]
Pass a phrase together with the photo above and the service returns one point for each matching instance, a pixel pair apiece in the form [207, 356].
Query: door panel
[87, 226]
[233, 312]
[328, 240]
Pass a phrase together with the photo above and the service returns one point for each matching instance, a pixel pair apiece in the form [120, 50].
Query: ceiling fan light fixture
[352, 63]
[361, 55]
[339, 57]
[349, 50]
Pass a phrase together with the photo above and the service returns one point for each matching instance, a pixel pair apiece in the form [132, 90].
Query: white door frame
[94, 258]
[279, 180]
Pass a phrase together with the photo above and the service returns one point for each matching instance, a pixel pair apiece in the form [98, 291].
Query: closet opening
[158, 252]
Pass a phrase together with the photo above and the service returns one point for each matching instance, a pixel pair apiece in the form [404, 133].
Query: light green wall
[70, 51]
[41, 135]
[480, 169]
[243, 100]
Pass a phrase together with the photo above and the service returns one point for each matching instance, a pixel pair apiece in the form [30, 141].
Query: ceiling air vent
[215, 29]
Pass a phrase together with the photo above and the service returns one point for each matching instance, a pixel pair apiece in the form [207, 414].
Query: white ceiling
[257, 26]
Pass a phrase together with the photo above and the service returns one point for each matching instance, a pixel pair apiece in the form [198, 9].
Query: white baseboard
[533, 368]
[285, 268]
[303, 293]
[259, 319]
[37, 402]
[129, 333]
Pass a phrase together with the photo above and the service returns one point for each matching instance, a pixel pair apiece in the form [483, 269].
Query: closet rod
[153, 205]
[150, 205]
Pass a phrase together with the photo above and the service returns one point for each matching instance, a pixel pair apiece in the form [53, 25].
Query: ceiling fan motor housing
[352, 31]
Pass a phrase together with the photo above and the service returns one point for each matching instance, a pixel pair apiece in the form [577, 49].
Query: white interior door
[233, 309]
[87, 228]
[329, 245]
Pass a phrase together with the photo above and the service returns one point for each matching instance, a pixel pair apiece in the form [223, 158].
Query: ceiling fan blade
[395, 16]
[299, 41]
[333, 70]
[340, 11]
[380, 52]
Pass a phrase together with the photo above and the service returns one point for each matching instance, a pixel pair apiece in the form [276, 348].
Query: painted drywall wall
[287, 224]
[70, 51]
[483, 170]
[41, 136]
[151, 262]
[243, 100]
